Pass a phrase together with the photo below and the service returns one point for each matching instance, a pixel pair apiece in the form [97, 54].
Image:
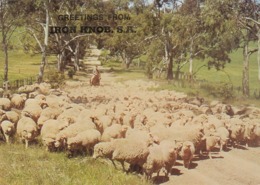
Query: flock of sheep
[127, 123]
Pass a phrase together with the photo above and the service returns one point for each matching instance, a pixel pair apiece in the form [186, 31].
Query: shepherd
[95, 78]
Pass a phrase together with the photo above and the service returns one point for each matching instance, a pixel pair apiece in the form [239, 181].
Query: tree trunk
[61, 64]
[76, 59]
[191, 59]
[258, 54]
[245, 78]
[44, 46]
[127, 62]
[42, 66]
[169, 70]
[5, 47]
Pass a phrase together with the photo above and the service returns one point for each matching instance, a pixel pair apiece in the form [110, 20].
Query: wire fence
[15, 84]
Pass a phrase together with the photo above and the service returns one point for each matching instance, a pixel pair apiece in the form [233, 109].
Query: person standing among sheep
[95, 78]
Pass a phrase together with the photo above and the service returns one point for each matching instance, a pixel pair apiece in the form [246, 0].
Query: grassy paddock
[35, 166]
[21, 65]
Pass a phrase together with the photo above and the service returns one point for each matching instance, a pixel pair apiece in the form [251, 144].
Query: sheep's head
[97, 152]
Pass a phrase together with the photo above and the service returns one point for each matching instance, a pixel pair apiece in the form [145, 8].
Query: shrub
[55, 78]
[220, 90]
[71, 73]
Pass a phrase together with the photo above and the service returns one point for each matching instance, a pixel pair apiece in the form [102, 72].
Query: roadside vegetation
[35, 166]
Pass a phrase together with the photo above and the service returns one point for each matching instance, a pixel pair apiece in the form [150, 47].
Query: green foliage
[55, 78]
[71, 73]
[222, 91]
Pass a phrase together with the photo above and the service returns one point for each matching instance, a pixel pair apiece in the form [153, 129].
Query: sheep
[179, 133]
[49, 131]
[142, 135]
[105, 150]
[27, 130]
[71, 131]
[35, 102]
[54, 101]
[223, 133]
[2, 115]
[33, 111]
[18, 100]
[134, 152]
[28, 88]
[12, 116]
[169, 154]
[237, 131]
[70, 115]
[215, 121]
[8, 129]
[114, 131]
[210, 142]
[187, 153]
[5, 104]
[162, 155]
[252, 133]
[40, 97]
[48, 113]
[44, 88]
[103, 122]
[84, 141]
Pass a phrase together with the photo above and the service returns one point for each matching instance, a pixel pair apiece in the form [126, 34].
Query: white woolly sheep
[27, 130]
[135, 157]
[84, 141]
[70, 115]
[142, 135]
[28, 88]
[210, 142]
[33, 111]
[113, 132]
[5, 104]
[49, 131]
[105, 150]
[35, 102]
[223, 133]
[162, 155]
[8, 129]
[103, 122]
[71, 131]
[187, 153]
[18, 100]
[237, 131]
[252, 133]
[12, 116]
[48, 113]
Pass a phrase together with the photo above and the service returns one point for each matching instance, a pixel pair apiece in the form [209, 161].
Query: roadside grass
[36, 166]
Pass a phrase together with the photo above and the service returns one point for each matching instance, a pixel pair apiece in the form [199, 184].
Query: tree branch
[250, 19]
[252, 51]
[35, 37]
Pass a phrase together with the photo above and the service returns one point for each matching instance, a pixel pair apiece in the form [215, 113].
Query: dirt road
[235, 167]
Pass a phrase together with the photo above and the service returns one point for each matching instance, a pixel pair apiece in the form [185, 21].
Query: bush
[55, 78]
[71, 73]
[220, 90]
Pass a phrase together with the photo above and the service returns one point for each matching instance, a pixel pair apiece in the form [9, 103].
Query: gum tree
[11, 16]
